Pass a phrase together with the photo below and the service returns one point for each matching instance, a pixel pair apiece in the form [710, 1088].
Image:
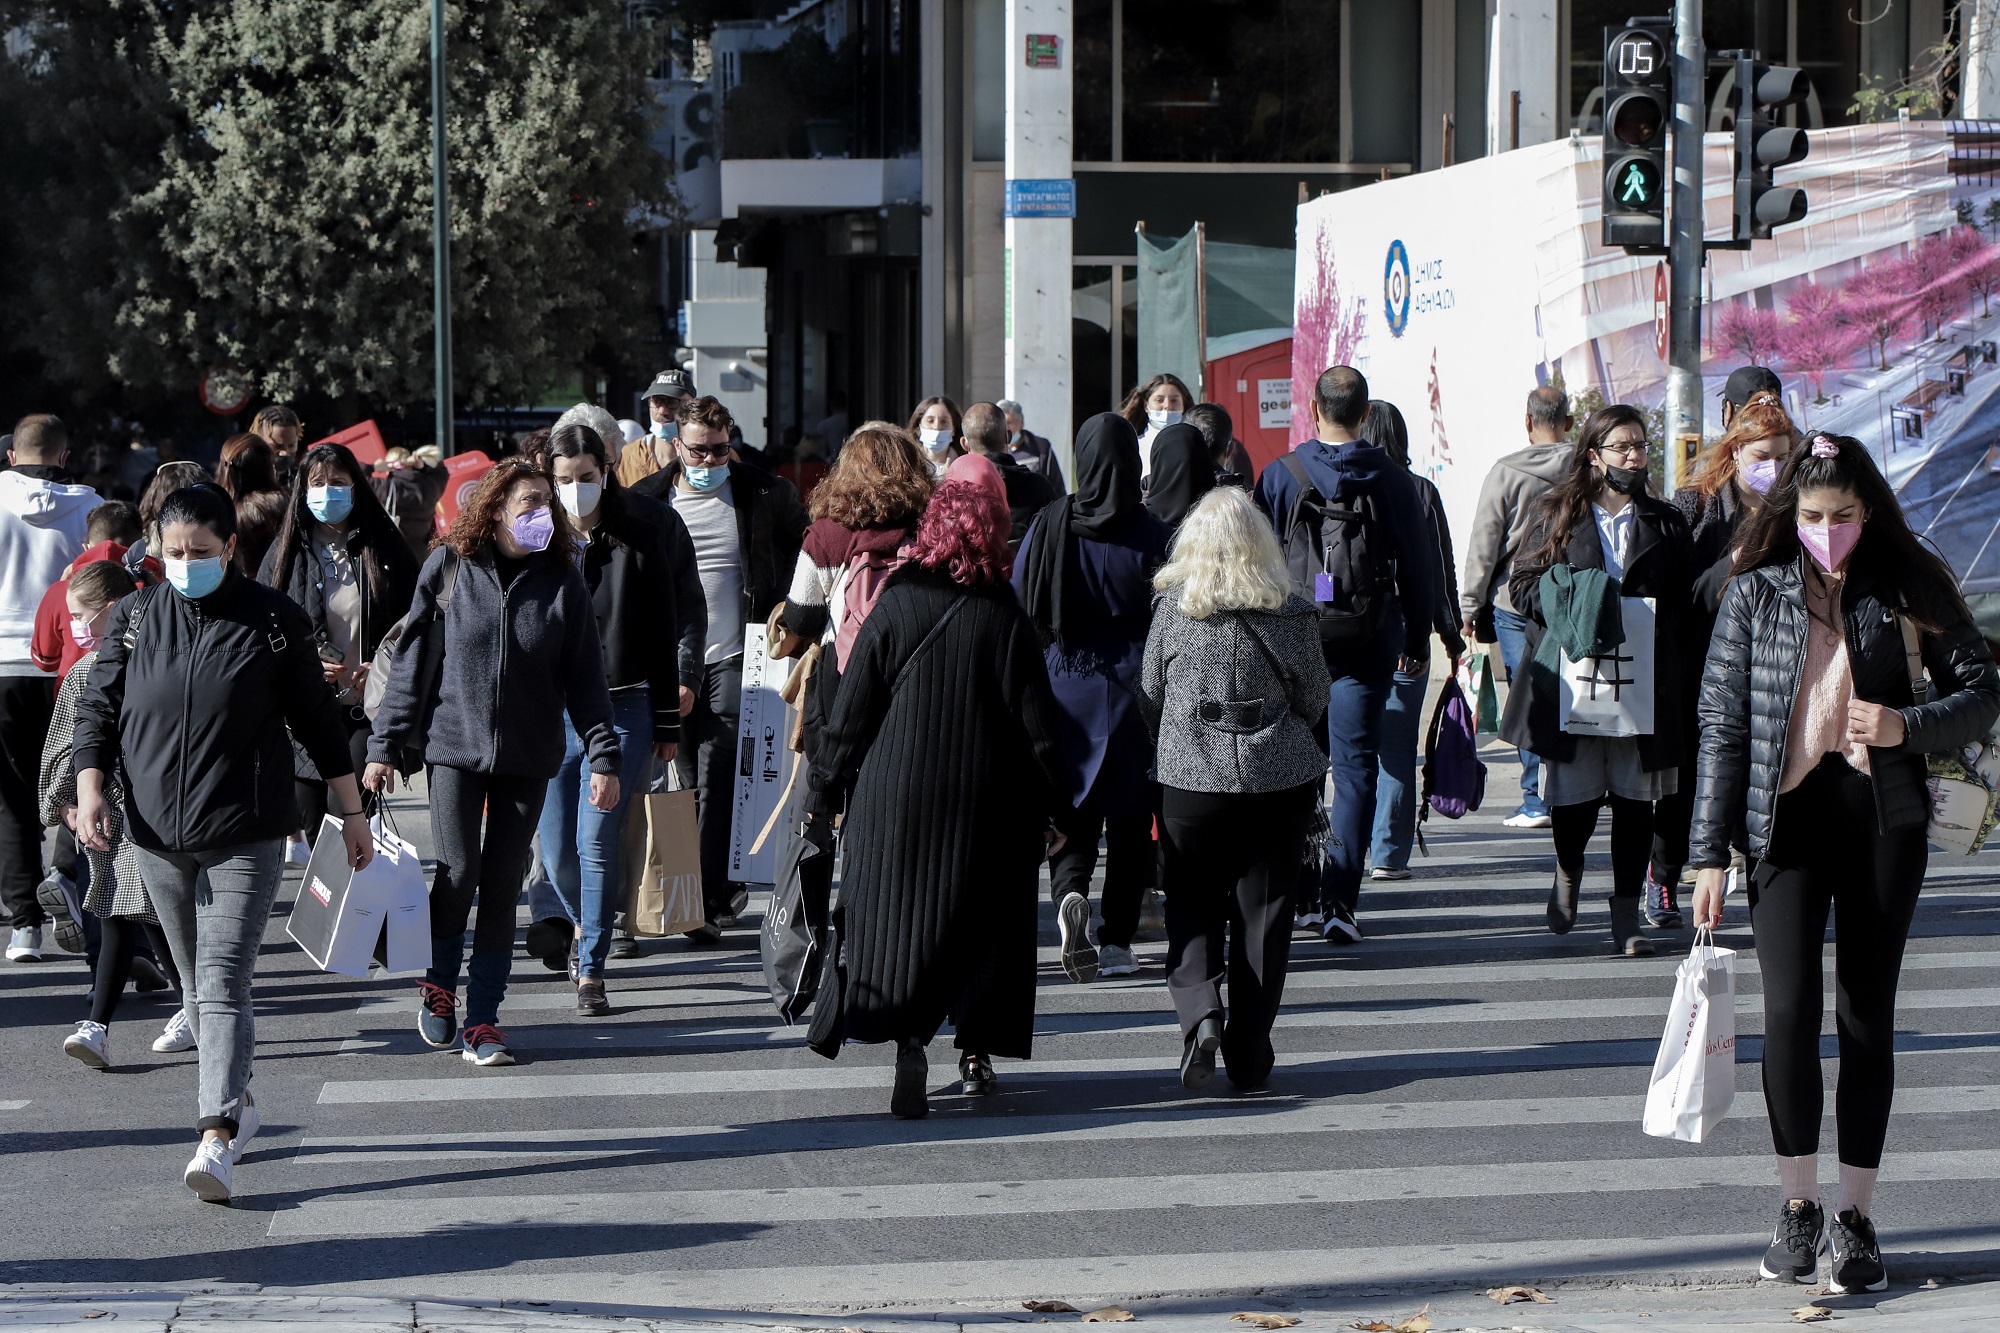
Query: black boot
[1562, 902]
[910, 1098]
[1626, 937]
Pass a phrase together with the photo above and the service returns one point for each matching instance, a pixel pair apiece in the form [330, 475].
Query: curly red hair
[964, 533]
[485, 508]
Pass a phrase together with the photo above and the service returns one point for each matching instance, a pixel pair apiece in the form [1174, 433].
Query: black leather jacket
[1752, 683]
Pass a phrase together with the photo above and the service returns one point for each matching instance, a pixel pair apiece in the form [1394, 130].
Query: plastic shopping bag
[1694, 1075]
[1475, 677]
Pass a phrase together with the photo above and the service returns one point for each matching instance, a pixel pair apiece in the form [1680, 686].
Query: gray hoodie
[42, 524]
[1500, 522]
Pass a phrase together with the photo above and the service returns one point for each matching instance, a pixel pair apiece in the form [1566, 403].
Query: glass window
[1229, 80]
[986, 53]
[1090, 45]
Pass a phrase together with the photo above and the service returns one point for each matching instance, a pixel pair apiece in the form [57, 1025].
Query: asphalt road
[1456, 1104]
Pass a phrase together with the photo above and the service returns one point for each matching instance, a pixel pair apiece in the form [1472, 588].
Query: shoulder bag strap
[138, 616]
[1913, 659]
[450, 582]
[923, 644]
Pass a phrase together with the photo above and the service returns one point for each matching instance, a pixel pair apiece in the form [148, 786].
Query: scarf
[1182, 473]
[1107, 494]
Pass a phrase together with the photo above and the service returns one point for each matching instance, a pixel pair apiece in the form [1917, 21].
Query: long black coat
[951, 763]
[1752, 685]
[1656, 566]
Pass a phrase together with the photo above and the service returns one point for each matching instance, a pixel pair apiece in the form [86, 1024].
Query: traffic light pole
[1684, 244]
[440, 238]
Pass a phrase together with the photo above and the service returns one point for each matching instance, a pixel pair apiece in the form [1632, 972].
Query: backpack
[422, 638]
[859, 588]
[1454, 776]
[1338, 558]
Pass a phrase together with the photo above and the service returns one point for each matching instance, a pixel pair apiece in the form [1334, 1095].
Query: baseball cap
[1746, 382]
[671, 384]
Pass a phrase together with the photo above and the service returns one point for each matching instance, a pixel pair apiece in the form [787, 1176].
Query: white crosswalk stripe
[1463, 1073]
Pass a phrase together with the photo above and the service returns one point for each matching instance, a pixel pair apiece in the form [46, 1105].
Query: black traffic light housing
[1763, 145]
[1638, 109]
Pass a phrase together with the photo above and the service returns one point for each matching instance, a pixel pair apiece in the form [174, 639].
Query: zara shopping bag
[345, 919]
[1694, 1075]
[663, 896]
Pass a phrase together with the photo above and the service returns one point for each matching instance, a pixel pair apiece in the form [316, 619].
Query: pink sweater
[1819, 714]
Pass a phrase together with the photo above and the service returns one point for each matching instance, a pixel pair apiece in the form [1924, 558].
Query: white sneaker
[90, 1043]
[1522, 819]
[178, 1036]
[1387, 874]
[208, 1175]
[247, 1125]
[25, 945]
[1115, 961]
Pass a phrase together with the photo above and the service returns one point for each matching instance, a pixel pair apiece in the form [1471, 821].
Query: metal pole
[440, 237]
[1684, 243]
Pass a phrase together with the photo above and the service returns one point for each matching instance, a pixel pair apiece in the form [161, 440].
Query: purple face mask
[1761, 475]
[534, 528]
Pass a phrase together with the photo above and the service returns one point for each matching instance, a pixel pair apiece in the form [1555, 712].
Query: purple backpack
[1454, 777]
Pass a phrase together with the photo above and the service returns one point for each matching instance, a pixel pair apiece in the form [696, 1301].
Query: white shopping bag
[342, 915]
[764, 797]
[1612, 695]
[1694, 1076]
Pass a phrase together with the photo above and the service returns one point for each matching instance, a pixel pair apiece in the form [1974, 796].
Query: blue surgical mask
[707, 478]
[195, 579]
[330, 504]
[937, 441]
[666, 430]
[1162, 420]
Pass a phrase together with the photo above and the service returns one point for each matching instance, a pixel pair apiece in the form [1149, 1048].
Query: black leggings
[1827, 852]
[117, 943]
[312, 794]
[1631, 840]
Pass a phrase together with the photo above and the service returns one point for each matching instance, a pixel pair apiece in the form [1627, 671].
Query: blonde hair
[1225, 558]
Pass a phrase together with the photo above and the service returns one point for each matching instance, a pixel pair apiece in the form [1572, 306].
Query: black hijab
[1182, 473]
[1107, 495]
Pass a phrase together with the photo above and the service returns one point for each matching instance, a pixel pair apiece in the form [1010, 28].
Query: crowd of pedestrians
[1147, 654]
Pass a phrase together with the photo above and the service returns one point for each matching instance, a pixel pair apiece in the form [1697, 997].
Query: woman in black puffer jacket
[1811, 737]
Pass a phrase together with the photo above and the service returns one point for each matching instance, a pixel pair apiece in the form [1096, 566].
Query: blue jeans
[1511, 627]
[580, 843]
[1354, 739]
[1396, 789]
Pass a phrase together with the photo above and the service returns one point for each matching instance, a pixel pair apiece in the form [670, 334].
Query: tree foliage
[275, 188]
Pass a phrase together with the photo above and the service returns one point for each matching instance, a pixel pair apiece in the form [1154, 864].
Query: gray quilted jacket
[1235, 700]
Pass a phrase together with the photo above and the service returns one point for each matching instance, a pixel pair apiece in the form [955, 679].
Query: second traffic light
[1638, 107]
[1762, 145]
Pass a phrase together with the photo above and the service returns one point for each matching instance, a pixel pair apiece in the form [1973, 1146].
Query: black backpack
[1338, 557]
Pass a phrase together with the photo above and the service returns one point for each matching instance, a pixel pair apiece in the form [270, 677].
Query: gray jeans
[213, 907]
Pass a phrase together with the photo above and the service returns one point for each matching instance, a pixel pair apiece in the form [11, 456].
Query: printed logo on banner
[1274, 404]
[321, 891]
[1396, 288]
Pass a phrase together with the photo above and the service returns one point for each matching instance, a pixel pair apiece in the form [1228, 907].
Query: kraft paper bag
[664, 896]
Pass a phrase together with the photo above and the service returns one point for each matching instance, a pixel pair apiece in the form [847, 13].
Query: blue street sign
[1041, 199]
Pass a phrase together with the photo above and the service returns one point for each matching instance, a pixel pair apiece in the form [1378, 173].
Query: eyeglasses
[1637, 449]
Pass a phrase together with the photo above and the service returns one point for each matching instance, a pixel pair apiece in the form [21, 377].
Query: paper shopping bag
[344, 918]
[1694, 1075]
[665, 896]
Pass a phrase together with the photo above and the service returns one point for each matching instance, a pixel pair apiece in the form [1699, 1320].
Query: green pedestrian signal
[1638, 94]
[1635, 190]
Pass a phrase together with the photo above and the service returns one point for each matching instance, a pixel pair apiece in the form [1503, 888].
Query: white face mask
[580, 497]
[1162, 420]
[937, 441]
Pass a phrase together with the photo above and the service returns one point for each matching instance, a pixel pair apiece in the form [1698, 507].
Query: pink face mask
[86, 637]
[1830, 543]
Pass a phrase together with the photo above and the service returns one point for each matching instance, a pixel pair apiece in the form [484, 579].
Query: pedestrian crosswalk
[1457, 1102]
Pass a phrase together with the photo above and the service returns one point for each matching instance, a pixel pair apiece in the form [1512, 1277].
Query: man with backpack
[1355, 537]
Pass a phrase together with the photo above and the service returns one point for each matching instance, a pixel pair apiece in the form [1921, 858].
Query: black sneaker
[976, 1077]
[1662, 907]
[910, 1098]
[1340, 926]
[437, 1015]
[549, 940]
[1796, 1244]
[1856, 1258]
[1079, 957]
